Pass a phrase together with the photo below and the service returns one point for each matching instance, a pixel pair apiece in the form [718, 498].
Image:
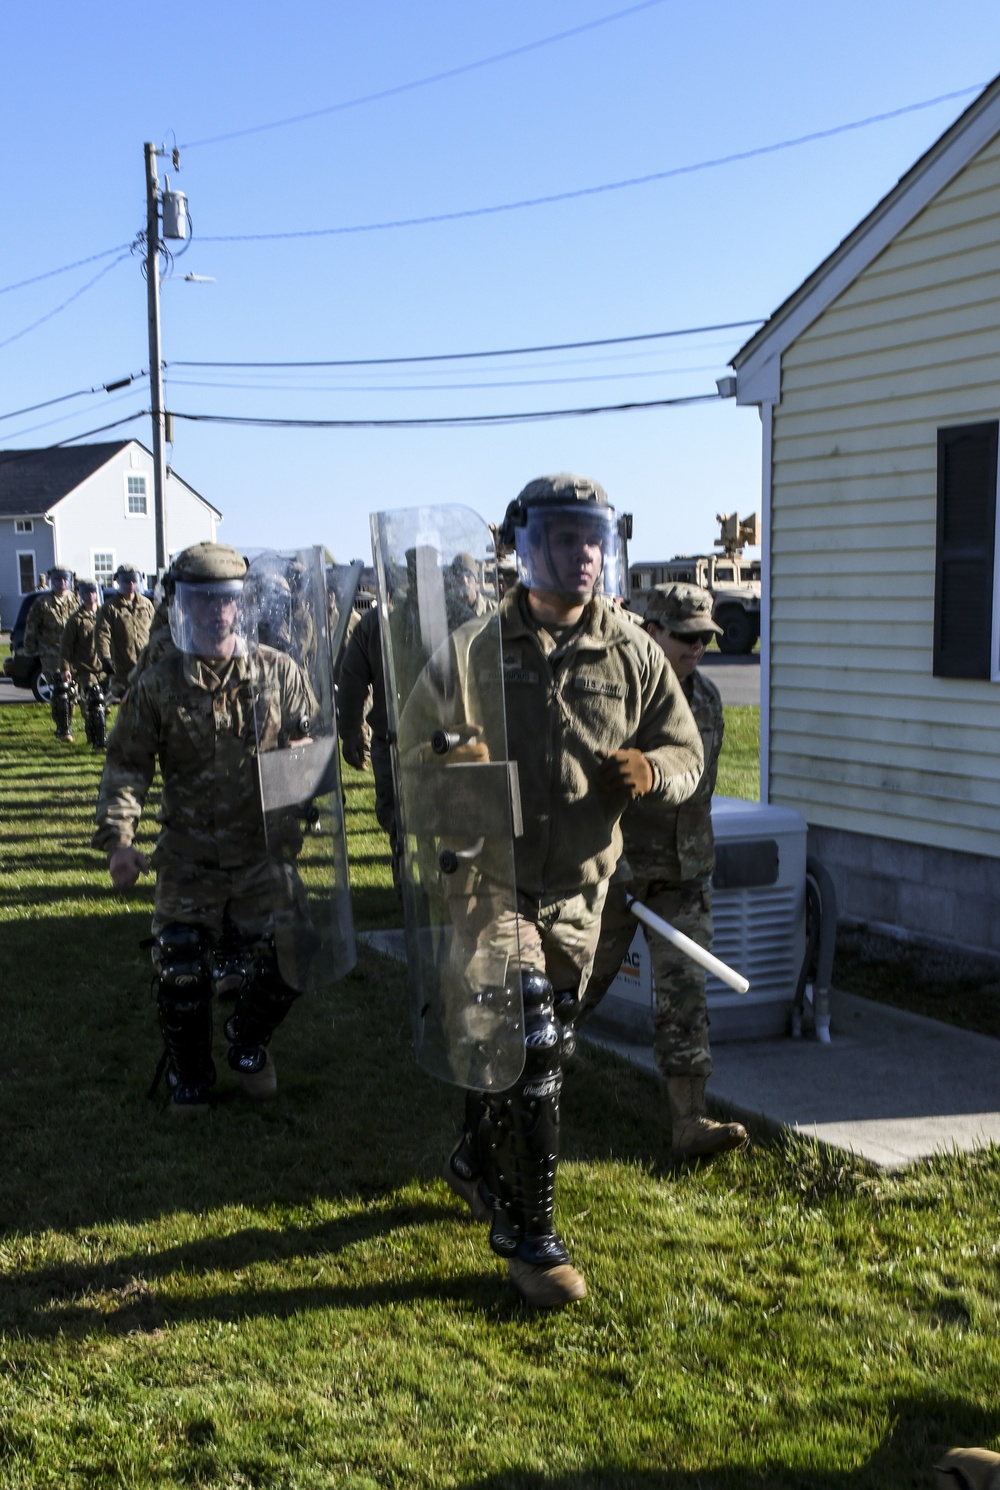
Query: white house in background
[878, 383]
[88, 508]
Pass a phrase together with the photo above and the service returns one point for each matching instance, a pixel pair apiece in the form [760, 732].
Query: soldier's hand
[125, 866]
[354, 750]
[628, 771]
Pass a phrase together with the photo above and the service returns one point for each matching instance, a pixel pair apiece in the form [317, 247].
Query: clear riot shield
[342, 585]
[458, 806]
[285, 612]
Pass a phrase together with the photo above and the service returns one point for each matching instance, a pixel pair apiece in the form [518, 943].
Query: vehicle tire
[41, 688]
[737, 632]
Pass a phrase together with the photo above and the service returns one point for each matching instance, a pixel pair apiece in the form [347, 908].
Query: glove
[628, 771]
[354, 750]
[473, 751]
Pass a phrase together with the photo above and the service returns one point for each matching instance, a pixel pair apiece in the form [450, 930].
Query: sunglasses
[692, 638]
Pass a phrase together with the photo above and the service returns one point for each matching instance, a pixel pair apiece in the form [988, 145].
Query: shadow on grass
[923, 1429]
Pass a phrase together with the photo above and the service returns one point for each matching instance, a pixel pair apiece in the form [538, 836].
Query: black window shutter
[966, 530]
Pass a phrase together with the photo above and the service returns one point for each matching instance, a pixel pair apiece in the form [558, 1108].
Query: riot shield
[285, 612]
[342, 585]
[458, 806]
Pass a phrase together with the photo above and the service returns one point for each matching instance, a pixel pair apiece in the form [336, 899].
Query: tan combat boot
[546, 1288]
[969, 1469]
[695, 1134]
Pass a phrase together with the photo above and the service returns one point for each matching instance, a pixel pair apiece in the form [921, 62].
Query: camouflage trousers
[680, 1016]
[261, 899]
[554, 937]
[385, 799]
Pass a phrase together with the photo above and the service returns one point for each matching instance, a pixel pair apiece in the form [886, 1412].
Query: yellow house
[878, 384]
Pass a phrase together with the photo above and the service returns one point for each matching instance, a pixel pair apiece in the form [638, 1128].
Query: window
[104, 566]
[965, 557]
[23, 525]
[25, 572]
[724, 572]
[135, 495]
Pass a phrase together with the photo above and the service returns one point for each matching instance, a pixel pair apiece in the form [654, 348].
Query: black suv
[22, 670]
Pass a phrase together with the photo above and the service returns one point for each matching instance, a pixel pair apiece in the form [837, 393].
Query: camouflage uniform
[159, 644]
[196, 718]
[669, 858]
[123, 626]
[568, 705]
[43, 632]
[362, 679]
[78, 648]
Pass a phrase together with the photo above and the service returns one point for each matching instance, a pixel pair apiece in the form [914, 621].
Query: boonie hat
[684, 609]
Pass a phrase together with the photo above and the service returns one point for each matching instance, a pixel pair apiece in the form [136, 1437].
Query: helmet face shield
[570, 549]
[60, 579]
[204, 617]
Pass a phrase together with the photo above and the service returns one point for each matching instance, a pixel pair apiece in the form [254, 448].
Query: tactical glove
[354, 750]
[628, 771]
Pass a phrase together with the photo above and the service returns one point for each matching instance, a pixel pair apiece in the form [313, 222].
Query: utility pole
[155, 357]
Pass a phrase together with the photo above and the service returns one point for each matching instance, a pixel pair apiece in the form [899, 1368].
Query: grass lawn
[289, 1296]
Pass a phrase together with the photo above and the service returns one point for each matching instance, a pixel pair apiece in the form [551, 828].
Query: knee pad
[261, 1005]
[521, 1148]
[181, 958]
[95, 716]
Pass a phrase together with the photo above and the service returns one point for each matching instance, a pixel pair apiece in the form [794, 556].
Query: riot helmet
[60, 579]
[127, 578]
[566, 537]
[204, 586]
[88, 591]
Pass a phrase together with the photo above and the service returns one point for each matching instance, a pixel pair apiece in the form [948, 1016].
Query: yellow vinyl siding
[862, 736]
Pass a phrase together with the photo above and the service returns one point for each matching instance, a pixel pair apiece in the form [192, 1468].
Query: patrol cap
[205, 563]
[464, 563]
[683, 609]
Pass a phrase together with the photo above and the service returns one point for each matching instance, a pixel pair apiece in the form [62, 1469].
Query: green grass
[739, 762]
[289, 1297]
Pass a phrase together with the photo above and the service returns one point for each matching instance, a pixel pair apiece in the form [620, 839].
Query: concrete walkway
[891, 1087]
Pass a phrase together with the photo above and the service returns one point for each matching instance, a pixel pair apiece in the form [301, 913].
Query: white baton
[684, 944]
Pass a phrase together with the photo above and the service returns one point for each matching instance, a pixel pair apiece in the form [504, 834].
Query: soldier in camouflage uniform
[668, 863]
[364, 725]
[594, 717]
[43, 639]
[465, 600]
[80, 663]
[216, 875]
[123, 624]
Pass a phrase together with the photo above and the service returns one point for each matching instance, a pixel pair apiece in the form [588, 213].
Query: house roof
[33, 481]
[758, 361]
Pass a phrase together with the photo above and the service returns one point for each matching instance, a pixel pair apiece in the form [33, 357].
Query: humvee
[732, 581]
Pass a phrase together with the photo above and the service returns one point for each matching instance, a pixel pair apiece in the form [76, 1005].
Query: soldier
[465, 600]
[217, 876]
[594, 717]
[123, 624]
[43, 639]
[80, 664]
[364, 725]
[668, 863]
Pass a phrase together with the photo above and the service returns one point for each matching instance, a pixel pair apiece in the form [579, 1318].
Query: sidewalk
[891, 1087]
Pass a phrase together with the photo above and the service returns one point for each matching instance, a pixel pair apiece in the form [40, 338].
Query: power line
[78, 264]
[444, 421]
[425, 82]
[9, 456]
[351, 388]
[591, 191]
[111, 386]
[75, 296]
[556, 346]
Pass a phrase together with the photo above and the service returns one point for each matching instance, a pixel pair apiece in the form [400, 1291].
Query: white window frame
[24, 525]
[93, 566]
[26, 553]
[131, 476]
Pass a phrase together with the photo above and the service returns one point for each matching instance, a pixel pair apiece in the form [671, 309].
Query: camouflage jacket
[197, 718]
[78, 648]
[361, 678]
[565, 707]
[43, 631]
[675, 843]
[123, 624]
[159, 644]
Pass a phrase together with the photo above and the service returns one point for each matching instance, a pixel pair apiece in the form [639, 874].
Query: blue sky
[664, 86]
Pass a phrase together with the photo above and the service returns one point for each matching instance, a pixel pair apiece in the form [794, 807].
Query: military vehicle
[732, 581]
